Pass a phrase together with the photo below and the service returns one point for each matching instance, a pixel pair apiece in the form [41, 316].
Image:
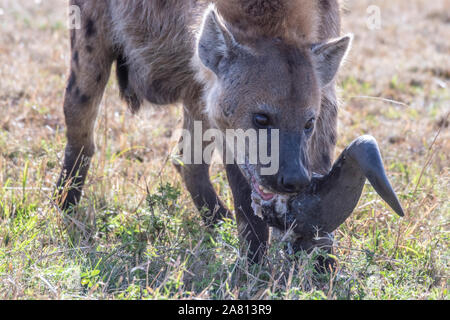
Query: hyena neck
[292, 20]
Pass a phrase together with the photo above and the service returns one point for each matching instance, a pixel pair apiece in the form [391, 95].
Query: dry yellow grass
[395, 86]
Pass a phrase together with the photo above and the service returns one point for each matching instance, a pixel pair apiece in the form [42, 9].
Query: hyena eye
[261, 120]
[310, 124]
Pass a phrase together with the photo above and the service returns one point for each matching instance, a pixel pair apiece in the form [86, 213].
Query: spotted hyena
[233, 64]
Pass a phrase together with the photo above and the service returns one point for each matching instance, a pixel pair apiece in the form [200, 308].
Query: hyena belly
[155, 45]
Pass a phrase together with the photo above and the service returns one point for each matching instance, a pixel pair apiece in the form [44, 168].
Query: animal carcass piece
[308, 219]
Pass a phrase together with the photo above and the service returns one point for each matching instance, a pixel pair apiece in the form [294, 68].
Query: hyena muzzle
[233, 64]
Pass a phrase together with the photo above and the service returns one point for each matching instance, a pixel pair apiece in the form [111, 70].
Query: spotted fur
[155, 45]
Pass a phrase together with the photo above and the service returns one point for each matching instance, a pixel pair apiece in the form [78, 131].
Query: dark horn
[366, 154]
[332, 198]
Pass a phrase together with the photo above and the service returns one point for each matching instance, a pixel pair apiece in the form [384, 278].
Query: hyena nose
[293, 183]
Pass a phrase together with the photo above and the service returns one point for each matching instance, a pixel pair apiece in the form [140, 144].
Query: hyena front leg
[253, 231]
[89, 74]
[197, 180]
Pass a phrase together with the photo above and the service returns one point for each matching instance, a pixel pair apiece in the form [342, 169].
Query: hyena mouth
[265, 194]
[329, 200]
[268, 205]
[259, 192]
[273, 211]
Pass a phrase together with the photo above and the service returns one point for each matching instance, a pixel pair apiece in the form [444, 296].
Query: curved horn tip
[398, 209]
[375, 171]
[367, 138]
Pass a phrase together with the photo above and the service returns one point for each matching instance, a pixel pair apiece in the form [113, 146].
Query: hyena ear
[329, 56]
[215, 43]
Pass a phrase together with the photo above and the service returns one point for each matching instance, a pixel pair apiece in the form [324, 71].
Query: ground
[137, 234]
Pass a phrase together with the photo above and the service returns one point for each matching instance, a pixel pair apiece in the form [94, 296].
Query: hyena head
[267, 83]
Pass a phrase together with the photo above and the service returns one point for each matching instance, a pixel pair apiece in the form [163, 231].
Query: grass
[137, 235]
